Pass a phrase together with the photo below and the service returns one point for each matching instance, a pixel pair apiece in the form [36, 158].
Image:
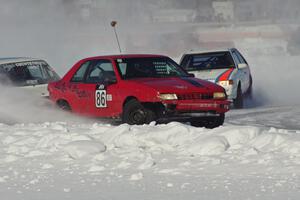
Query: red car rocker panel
[139, 89]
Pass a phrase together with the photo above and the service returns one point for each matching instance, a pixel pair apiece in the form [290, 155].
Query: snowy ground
[255, 155]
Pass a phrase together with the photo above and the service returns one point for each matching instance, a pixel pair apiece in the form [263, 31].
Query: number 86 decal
[100, 97]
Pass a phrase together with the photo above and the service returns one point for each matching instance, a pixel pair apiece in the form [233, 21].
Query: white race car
[227, 68]
[28, 73]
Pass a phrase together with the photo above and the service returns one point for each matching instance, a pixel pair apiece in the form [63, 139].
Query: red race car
[138, 89]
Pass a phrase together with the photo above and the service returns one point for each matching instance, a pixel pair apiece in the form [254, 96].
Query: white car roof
[16, 59]
[207, 51]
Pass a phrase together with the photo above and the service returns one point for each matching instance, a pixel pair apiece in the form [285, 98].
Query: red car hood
[178, 85]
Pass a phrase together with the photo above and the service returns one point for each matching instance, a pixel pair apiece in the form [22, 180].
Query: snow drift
[62, 159]
[143, 144]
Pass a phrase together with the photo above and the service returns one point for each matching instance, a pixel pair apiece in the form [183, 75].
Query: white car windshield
[207, 61]
[27, 73]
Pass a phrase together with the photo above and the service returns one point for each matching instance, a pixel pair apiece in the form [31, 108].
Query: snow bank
[83, 148]
[140, 146]
[66, 157]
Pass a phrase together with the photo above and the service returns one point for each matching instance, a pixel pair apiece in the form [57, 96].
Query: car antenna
[113, 24]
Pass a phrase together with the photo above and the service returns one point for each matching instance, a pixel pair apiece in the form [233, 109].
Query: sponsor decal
[29, 63]
[202, 105]
[62, 87]
[82, 94]
[100, 87]
[109, 97]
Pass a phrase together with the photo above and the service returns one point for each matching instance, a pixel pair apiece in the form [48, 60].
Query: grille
[192, 96]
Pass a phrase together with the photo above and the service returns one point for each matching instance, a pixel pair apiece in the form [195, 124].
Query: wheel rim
[138, 116]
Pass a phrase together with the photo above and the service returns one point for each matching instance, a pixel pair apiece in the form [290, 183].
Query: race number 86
[100, 99]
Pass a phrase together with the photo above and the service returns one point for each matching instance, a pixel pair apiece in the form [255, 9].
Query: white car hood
[40, 90]
[210, 75]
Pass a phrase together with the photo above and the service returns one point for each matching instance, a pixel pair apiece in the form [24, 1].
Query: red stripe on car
[225, 76]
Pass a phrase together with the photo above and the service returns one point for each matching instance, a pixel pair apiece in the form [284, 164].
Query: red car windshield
[150, 67]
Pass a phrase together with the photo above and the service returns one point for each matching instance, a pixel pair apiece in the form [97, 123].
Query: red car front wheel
[208, 122]
[135, 113]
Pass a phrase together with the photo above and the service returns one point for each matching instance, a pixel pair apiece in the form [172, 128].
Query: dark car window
[51, 73]
[241, 58]
[100, 71]
[236, 57]
[206, 61]
[94, 71]
[80, 73]
[149, 67]
[27, 73]
[4, 78]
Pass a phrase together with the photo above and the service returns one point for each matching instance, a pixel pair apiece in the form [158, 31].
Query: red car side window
[99, 71]
[79, 75]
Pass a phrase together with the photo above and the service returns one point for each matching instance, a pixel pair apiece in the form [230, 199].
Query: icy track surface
[60, 160]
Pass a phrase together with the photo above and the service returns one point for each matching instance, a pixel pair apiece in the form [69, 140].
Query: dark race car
[27, 73]
[138, 89]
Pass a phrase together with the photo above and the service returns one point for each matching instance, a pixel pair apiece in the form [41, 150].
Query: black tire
[238, 102]
[198, 122]
[135, 113]
[249, 91]
[64, 105]
[209, 122]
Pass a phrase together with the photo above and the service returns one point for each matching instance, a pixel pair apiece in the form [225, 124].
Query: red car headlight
[168, 96]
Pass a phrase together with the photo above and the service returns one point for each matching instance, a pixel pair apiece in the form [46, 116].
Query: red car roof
[126, 56]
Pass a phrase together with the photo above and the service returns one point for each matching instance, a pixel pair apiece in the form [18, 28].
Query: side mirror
[242, 65]
[191, 75]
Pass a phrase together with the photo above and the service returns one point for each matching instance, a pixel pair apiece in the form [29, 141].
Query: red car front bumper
[197, 106]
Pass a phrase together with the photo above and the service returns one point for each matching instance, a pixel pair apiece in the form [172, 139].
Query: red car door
[74, 89]
[96, 94]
